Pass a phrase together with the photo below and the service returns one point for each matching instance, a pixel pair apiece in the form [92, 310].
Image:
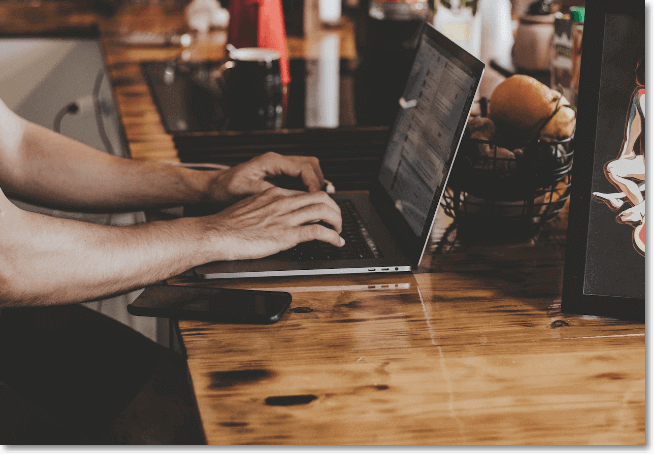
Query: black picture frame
[601, 275]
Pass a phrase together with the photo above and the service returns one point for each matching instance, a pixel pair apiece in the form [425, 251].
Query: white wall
[40, 76]
[25, 63]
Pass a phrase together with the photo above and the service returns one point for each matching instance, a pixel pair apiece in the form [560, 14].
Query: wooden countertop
[470, 349]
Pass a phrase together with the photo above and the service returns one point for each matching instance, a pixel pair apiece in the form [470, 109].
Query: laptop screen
[421, 149]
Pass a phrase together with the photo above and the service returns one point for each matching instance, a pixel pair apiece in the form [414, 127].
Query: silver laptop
[387, 229]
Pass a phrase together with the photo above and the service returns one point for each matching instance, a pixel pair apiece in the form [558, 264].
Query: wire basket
[499, 193]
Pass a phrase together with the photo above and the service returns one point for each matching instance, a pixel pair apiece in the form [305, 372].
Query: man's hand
[272, 221]
[249, 178]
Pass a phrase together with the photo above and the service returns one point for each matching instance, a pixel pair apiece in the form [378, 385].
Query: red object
[259, 23]
[243, 23]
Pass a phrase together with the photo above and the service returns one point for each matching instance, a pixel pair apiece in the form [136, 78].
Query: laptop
[387, 229]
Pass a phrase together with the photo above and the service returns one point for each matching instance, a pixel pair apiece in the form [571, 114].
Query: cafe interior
[515, 325]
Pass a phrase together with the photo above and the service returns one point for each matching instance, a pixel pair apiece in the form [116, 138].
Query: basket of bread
[512, 171]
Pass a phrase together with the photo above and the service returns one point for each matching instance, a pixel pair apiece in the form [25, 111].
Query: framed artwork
[605, 249]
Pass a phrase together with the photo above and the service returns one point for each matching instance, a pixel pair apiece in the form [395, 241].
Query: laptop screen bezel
[413, 245]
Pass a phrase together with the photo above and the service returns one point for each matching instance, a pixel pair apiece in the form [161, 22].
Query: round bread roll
[562, 125]
[520, 105]
[481, 128]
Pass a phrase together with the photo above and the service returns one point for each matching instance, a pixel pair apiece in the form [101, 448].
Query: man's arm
[40, 166]
[45, 260]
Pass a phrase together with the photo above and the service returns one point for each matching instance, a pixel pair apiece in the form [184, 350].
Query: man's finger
[315, 180]
[303, 199]
[306, 168]
[258, 186]
[318, 232]
[268, 197]
[317, 213]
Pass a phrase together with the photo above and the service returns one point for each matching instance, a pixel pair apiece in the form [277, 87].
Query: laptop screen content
[427, 132]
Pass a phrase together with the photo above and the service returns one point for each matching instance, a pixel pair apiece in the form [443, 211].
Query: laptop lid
[424, 140]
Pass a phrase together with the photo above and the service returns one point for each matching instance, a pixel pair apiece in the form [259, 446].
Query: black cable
[97, 107]
[70, 108]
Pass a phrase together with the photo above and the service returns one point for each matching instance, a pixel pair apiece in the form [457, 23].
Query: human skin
[46, 260]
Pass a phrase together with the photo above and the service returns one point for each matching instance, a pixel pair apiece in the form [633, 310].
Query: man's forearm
[46, 260]
[52, 170]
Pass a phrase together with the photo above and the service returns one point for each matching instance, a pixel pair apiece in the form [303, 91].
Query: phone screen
[212, 304]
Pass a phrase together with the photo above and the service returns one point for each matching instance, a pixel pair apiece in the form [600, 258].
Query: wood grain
[470, 349]
[449, 360]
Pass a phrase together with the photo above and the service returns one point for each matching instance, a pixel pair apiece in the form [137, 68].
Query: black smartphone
[218, 305]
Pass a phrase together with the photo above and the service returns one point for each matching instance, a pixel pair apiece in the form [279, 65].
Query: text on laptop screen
[424, 140]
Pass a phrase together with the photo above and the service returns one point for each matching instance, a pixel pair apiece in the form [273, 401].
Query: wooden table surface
[470, 349]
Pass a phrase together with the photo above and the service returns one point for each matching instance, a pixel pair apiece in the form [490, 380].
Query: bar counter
[471, 348]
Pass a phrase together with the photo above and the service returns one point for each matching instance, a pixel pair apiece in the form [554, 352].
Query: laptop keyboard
[358, 242]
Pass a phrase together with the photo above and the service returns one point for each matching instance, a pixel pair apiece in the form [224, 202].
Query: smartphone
[218, 305]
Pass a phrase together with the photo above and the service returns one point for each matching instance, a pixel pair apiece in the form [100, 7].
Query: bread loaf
[521, 106]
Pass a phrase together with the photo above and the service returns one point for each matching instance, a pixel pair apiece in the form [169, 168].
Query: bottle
[532, 51]
[561, 66]
[496, 31]
[578, 15]
[459, 20]
[329, 12]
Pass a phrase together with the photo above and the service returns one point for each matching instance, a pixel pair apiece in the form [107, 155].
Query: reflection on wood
[452, 359]
[471, 349]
